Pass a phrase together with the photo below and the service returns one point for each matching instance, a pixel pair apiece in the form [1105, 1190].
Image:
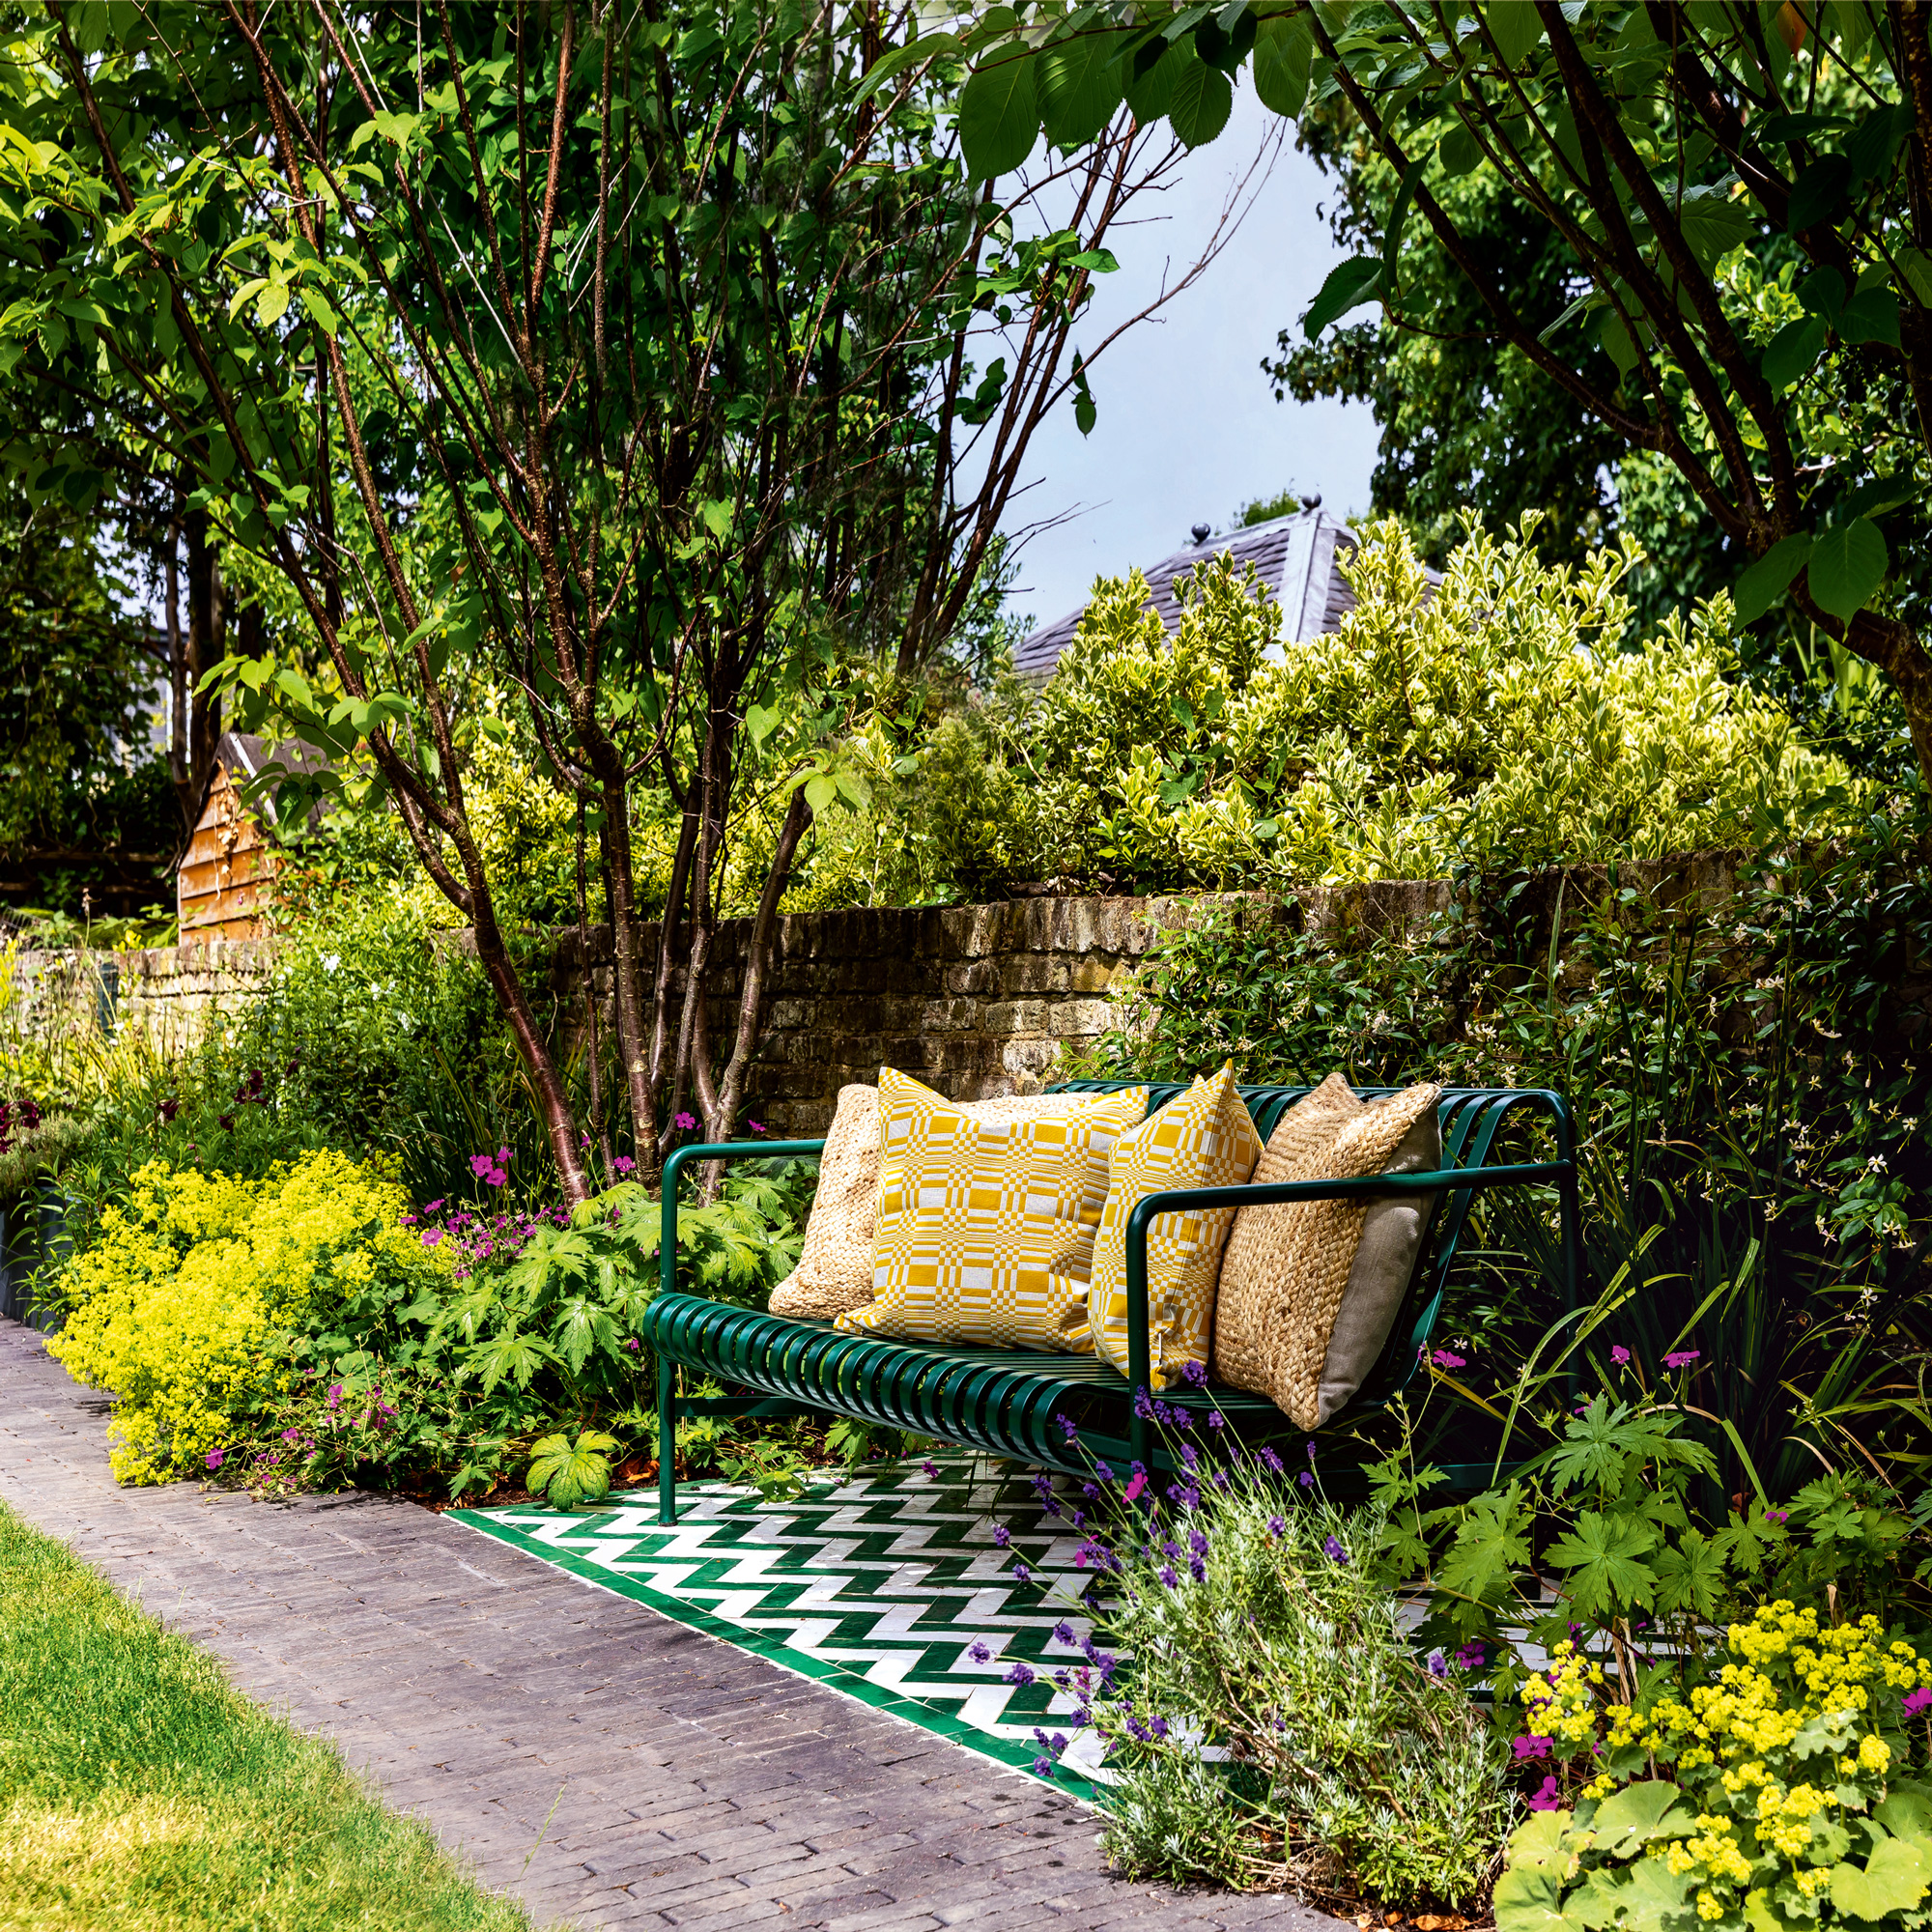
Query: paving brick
[605, 1765]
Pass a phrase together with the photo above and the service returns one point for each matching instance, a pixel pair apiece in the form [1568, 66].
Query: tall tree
[610, 356]
[1744, 195]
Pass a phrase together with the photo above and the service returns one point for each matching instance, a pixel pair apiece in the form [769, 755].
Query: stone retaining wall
[977, 1000]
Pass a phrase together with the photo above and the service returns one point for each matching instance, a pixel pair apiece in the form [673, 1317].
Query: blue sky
[1188, 425]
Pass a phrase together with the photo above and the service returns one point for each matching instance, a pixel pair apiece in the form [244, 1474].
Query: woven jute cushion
[835, 1265]
[1203, 1138]
[1248, 1303]
[1288, 1266]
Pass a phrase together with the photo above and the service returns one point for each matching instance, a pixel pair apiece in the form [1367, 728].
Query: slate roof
[1293, 555]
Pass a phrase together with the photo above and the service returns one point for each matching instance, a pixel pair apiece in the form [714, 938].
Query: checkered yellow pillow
[986, 1228]
[1203, 1138]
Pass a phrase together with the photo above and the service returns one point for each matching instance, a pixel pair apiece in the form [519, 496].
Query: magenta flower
[756, 1126]
[1444, 1358]
[216, 1456]
[684, 1123]
[431, 1237]
[1471, 1657]
[929, 1469]
[1530, 1746]
[1544, 1798]
[1138, 1484]
[624, 1164]
[432, 1206]
[1778, 1515]
[1682, 1359]
[1915, 1701]
[1620, 1355]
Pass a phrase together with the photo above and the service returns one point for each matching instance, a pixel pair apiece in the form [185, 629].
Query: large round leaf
[1080, 84]
[1848, 563]
[1283, 48]
[999, 114]
[1203, 99]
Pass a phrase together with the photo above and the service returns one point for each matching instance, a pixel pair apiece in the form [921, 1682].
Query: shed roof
[1293, 555]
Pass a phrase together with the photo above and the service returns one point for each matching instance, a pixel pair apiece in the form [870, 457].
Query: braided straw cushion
[1288, 1266]
[835, 1265]
[1247, 1307]
[1203, 1138]
[985, 1227]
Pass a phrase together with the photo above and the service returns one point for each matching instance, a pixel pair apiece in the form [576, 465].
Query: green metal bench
[1018, 1403]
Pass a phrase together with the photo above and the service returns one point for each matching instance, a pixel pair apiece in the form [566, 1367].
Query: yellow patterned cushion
[1203, 1138]
[986, 1229]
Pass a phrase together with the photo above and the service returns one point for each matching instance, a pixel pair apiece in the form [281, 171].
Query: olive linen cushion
[835, 1264]
[1309, 1291]
[985, 1227]
[1203, 1138]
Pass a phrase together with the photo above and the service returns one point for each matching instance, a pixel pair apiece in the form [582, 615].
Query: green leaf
[1516, 26]
[760, 723]
[1605, 1559]
[1458, 151]
[895, 59]
[1894, 1880]
[1627, 1820]
[1770, 577]
[1529, 1899]
[1713, 222]
[1690, 1575]
[1793, 350]
[1080, 87]
[1848, 564]
[1283, 49]
[571, 1473]
[820, 790]
[1202, 100]
[1349, 284]
[999, 115]
[1819, 193]
[1871, 315]
[1907, 1811]
[1539, 1840]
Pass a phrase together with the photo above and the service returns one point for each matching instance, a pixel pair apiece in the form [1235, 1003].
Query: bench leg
[667, 1441]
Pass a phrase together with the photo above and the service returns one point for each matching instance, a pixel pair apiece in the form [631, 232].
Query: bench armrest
[720, 1150]
[1267, 1194]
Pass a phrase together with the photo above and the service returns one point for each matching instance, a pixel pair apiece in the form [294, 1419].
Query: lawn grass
[138, 1790]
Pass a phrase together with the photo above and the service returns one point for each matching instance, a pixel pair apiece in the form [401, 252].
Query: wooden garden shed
[224, 877]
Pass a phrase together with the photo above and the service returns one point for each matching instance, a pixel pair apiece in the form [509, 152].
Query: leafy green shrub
[176, 1305]
[1507, 715]
[1749, 1096]
[1776, 1789]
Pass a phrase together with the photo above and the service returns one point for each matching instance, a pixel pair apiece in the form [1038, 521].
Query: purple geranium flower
[1445, 1358]
[216, 1456]
[1915, 1702]
[684, 1123]
[1681, 1359]
[1620, 1355]
[624, 1164]
[1544, 1798]
[1530, 1746]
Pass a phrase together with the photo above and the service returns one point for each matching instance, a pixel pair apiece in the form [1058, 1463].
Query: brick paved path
[699, 1787]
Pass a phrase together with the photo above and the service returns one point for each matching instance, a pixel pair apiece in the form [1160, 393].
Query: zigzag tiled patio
[608, 1765]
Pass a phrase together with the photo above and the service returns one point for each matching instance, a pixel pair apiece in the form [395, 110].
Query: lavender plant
[1268, 1722]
